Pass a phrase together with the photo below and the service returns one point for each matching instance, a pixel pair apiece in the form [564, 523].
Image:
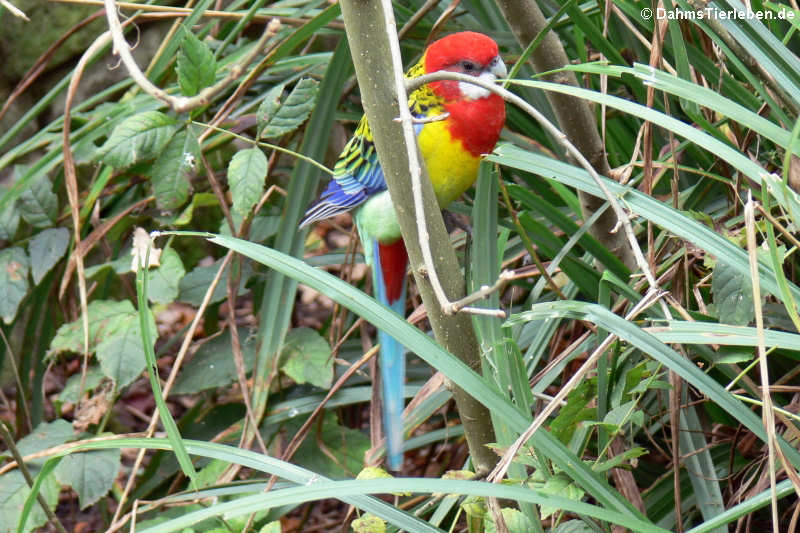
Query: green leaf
[46, 249]
[193, 286]
[196, 64]
[104, 316]
[372, 311]
[514, 519]
[306, 357]
[137, 138]
[312, 486]
[574, 526]
[70, 392]
[9, 220]
[346, 448]
[121, 352]
[213, 365]
[91, 475]
[733, 295]
[560, 485]
[276, 118]
[369, 523]
[39, 204]
[272, 527]
[617, 460]
[46, 435]
[165, 280]
[114, 334]
[200, 199]
[172, 169]
[14, 491]
[247, 172]
[14, 265]
[618, 416]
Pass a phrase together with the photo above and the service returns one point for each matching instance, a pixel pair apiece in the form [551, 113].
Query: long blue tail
[389, 269]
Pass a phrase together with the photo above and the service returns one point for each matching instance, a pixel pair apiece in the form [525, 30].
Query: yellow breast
[451, 167]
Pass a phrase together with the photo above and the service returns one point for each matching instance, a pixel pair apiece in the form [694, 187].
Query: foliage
[236, 173]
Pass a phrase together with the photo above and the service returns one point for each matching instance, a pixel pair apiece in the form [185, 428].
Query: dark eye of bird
[468, 66]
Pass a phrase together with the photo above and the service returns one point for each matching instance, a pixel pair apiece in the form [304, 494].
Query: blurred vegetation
[177, 394]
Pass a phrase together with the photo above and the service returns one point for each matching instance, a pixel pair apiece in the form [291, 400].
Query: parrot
[470, 119]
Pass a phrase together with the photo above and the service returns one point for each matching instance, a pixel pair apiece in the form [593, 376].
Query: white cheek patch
[473, 92]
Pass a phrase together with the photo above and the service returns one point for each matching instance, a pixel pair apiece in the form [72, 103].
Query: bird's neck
[476, 123]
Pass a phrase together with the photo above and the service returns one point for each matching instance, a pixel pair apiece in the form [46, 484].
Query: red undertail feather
[394, 260]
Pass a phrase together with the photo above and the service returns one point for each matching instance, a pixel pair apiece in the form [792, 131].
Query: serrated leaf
[38, 204]
[139, 137]
[733, 295]
[196, 64]
[115, 336]
[46, 249]
[173, 168]
[247, 173]
[70, 393]
[121, 352]
[14, 491]
[165, 280]
[14, 267]
[276, 118]
[306, 358]
[213, 364]
[91, 475]
[45, 435]
[559, 486]
[104, 316]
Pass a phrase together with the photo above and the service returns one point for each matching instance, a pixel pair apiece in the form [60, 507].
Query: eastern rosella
[452, 150]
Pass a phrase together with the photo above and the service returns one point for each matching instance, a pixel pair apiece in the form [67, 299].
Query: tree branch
[574, 115]
[372, 36]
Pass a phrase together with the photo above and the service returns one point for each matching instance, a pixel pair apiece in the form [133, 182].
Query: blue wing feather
[356, 176]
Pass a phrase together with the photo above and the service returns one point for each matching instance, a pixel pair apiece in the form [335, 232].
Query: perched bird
[452, 148]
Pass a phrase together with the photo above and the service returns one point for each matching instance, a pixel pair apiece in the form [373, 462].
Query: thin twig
[483, 292]
[152, 9]
[17, 12]
[416, 17]
[768, 415]
[9, 440]
[71, 184]
[267, 145]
